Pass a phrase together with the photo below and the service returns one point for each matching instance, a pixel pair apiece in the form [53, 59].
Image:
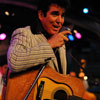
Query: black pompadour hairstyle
[45, 4]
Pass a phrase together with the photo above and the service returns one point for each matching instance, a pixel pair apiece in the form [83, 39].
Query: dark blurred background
[19, 13]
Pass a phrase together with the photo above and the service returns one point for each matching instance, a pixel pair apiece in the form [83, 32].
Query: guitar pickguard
[52, 90]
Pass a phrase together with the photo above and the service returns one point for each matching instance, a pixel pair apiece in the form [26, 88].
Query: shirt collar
[37, 29]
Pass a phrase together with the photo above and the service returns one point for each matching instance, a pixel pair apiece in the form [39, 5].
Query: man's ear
[40, 14]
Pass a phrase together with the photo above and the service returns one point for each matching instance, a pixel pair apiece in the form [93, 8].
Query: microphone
[70, 37]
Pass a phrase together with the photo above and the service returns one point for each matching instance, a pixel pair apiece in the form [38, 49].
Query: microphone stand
[38, 75]
[77, 61]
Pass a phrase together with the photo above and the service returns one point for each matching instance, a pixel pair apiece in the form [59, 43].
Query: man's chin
[55, 32]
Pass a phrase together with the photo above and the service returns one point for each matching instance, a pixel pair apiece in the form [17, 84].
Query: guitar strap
[58, 59]
[5, 80]
[5, 77]
[75, 98]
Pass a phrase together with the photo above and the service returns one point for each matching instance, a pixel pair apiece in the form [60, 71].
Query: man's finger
[65, 38]
[65, 32]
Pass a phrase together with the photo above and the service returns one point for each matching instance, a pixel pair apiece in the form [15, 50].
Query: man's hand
[59, 39]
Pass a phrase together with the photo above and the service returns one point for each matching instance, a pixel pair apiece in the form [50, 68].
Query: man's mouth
[56, 27]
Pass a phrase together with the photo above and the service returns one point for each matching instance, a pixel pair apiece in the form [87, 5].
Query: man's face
[53, 20]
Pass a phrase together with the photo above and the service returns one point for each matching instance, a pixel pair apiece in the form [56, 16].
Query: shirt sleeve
[26, 50]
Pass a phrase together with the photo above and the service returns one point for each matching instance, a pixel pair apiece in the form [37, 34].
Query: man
[32, 45]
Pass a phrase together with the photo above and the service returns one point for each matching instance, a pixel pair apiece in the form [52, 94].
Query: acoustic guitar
[50, 86]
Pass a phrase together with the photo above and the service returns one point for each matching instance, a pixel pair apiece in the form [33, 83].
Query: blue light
[85, 10]
[70, 37]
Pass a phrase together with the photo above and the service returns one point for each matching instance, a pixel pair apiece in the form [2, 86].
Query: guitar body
[53, 83]
[52, 89]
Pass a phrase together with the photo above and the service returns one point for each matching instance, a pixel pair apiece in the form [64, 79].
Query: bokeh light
[3, 36]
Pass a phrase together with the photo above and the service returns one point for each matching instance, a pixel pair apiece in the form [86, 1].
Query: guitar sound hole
[60, 95]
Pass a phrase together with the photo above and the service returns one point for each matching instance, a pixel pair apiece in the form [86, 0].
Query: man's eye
[63, 14]
[55, 13]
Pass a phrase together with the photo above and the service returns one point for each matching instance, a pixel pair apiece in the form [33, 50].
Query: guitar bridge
[40, 91]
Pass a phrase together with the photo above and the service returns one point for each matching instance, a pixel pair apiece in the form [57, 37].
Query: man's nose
[59, 19]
